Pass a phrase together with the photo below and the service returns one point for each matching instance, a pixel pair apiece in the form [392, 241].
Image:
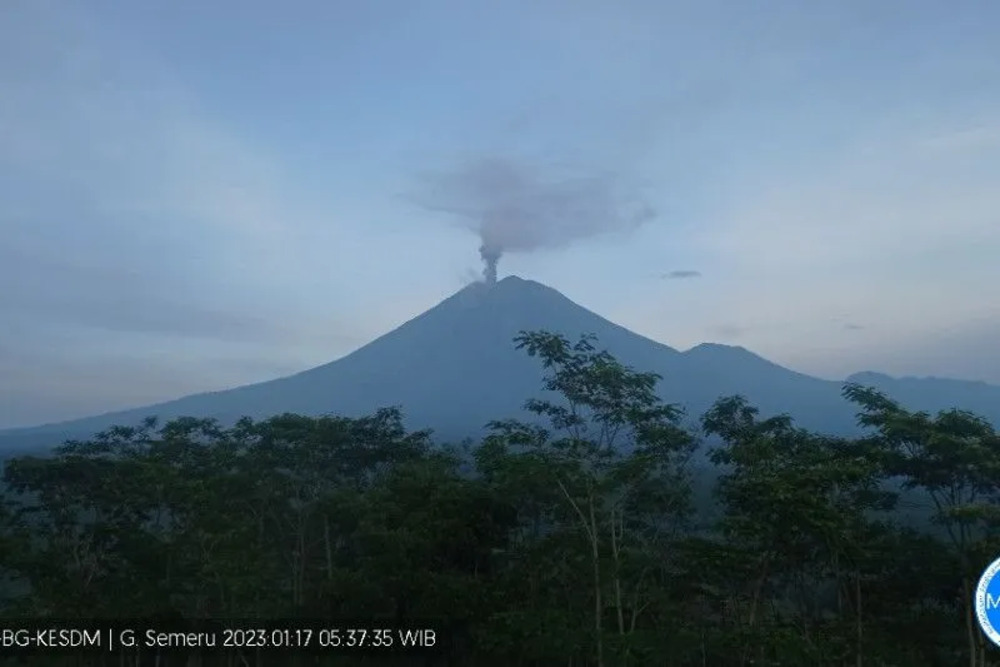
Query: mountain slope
[454, 367]
[928, 393]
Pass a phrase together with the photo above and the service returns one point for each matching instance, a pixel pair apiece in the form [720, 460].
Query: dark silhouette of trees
[571, 539]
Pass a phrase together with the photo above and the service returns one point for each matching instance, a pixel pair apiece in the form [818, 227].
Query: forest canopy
[581, 538]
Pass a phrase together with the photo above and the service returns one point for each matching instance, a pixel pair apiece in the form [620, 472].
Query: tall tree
[616, 458]
[954, 459]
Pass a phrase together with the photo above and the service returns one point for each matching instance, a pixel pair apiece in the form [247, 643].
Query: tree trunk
[329, 548]
[755, 604]
[859, 626]
[970, 623]
[598, 600]
[615, 534]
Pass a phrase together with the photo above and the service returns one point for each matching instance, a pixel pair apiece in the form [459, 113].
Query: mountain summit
[454, 368]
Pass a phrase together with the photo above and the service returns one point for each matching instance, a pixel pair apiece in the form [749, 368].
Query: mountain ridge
[453, 368]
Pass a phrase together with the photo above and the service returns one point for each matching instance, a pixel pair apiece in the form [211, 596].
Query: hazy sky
[197, 195]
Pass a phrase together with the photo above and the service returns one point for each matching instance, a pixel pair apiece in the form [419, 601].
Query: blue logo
[988, 602]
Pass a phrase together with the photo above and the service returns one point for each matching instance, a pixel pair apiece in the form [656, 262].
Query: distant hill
[454, 368]
[930, 394]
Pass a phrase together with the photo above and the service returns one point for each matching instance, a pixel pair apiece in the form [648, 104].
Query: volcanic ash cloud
[515, 208]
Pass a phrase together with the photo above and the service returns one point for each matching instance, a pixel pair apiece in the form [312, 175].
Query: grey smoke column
[518, 208]
[490, 258]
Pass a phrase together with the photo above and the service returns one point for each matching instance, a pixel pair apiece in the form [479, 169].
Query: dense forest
[578, 539]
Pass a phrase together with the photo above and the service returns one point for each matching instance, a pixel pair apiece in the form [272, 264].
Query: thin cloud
[128, 216]
[684, 274]
[136, 224]
[982, 137]
[729, 331]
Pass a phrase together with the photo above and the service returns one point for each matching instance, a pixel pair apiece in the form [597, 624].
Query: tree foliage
[567, 539]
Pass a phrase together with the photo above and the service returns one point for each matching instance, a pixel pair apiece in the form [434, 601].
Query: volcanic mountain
[454, 368]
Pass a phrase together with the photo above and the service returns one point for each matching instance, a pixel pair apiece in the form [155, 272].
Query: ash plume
[516, 208]
[491, 256]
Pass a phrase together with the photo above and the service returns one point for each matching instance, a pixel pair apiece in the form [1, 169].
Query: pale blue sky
[197, 195]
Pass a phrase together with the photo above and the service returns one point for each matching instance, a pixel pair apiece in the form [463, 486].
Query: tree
[954, 459]
[616, 460]
[799, 508]
[572, 541]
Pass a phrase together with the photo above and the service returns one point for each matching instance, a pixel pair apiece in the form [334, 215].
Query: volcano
[454, 368]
